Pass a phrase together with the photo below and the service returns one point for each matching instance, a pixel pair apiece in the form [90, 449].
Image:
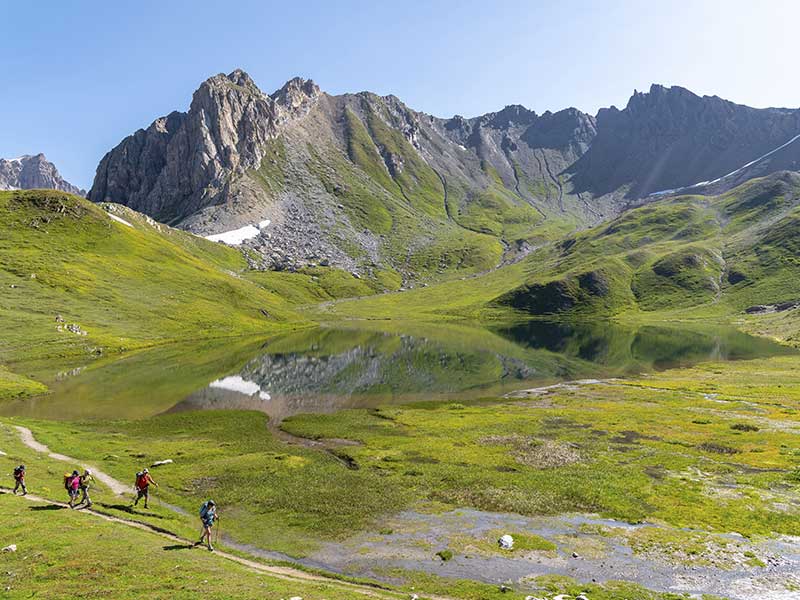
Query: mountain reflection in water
[327, 369]
[335, 371]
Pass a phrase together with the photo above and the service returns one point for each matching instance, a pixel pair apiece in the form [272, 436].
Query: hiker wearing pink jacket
[73, 485]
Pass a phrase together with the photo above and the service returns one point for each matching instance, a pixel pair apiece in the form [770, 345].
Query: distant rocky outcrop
[33, 172]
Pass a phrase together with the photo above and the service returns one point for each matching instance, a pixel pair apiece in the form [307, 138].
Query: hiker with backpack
[72, 484]
[142, 485]
[85, 481]
[208, 516]
[19, 480]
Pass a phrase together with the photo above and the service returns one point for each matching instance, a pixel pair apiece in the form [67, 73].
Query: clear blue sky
[79, 76]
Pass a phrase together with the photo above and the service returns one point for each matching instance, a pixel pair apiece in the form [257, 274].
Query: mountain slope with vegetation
[691, 256]
[81, 279]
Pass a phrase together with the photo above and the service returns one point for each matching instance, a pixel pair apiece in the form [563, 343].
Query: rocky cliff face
[670, 138]
[365, 183]
[186, 161]
[33, 172]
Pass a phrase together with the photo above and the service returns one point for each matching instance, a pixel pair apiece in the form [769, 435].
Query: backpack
[204, 510]
[18, 473]
[67, 481]
[141, 480]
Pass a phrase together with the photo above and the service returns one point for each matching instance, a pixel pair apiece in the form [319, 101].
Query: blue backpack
[204, 511]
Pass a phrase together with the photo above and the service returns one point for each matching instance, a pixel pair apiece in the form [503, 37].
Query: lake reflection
[326, 369]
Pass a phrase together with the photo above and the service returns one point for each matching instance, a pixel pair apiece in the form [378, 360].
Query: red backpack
[141, 481]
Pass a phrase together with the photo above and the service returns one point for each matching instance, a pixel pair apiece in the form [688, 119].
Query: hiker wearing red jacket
[142, 485]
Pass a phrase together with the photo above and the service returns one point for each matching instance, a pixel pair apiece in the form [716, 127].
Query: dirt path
[284, 573]
[116, 486]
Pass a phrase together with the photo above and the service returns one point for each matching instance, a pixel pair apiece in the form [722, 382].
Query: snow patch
[235, 383]
[119, 220]
[237, 236]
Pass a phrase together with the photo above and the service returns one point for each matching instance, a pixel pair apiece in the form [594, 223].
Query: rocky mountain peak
[662, 97]
[183, 162]
[565, 128]
[242, 79]
[296, 89]
[296, 97]
[235, 79]
[236, 87]
[513, 114]
[670, 137]
[33, 172]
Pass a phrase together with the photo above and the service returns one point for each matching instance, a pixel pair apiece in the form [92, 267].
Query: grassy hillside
[686, 257]
[13, 385]
[65, 261]
[403, 210]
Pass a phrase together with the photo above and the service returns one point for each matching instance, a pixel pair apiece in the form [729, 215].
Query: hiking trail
[119, 488]
[279, 572]
[116, 486]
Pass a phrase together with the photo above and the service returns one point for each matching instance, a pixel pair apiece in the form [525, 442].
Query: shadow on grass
[179, 547]
[48, 507]
[127, 508]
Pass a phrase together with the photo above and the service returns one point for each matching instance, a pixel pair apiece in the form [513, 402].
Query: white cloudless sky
[80, 76]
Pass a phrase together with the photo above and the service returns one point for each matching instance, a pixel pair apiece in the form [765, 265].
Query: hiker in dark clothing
[142, 485]
[208, 516]
[19, 480]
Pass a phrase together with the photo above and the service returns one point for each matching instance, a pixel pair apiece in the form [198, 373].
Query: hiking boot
[210, 548]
